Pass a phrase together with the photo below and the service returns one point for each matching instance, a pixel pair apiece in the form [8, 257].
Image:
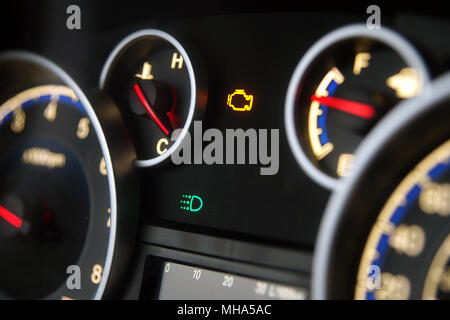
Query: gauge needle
[358, 109]
[149, 109]
[10, 217]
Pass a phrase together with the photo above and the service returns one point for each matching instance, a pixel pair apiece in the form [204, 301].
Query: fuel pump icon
[191, 203]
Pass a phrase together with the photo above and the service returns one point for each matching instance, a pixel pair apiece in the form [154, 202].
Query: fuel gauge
[341, 88]
[151, 77]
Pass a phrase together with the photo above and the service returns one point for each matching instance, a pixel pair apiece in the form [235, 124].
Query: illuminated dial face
[407, 254]
[150, 77]
[339, 92]
[54, 197]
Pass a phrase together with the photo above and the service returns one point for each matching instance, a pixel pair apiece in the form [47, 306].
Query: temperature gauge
[341, 88]
[151, 77]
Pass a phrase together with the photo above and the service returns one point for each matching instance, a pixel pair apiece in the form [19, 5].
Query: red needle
[355, 108]
[149, 109]
[10, 217]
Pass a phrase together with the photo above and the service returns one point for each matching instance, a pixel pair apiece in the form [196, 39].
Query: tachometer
[414, 221]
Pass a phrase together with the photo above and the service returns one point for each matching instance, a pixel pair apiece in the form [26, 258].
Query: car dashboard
[227, 152]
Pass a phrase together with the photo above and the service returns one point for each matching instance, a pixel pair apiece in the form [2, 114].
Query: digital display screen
[182, 282]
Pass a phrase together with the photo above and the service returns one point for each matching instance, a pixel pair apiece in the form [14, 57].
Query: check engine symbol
[191, 203]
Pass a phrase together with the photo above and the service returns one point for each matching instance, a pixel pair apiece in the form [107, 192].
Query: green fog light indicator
[191, 203]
